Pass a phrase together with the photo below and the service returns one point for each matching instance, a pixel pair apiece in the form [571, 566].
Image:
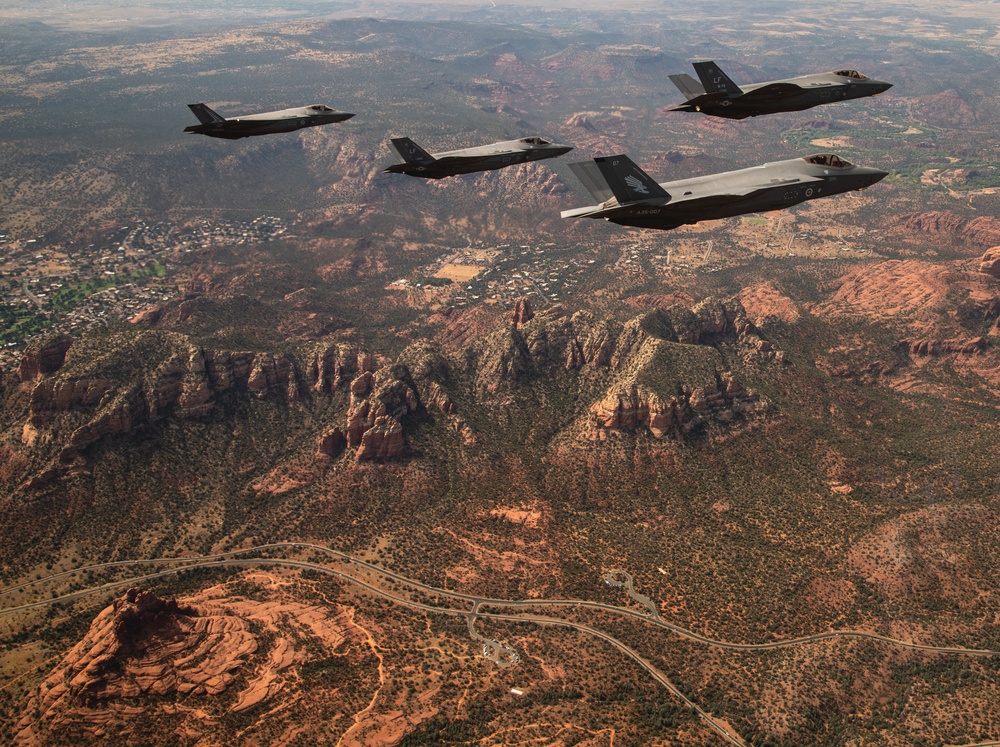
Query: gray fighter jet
[418, 162]
[718, 96]
[630, 197]
[285, 120]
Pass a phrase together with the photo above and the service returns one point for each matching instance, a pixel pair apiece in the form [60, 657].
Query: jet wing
[772, 91]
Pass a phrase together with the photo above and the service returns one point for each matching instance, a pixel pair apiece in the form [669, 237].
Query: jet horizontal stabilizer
[590, 174]
[688, 85]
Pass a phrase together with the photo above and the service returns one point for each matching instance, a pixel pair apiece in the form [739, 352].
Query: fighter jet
[630, 197]
[718, 96]
[418, 162]
[285, 120]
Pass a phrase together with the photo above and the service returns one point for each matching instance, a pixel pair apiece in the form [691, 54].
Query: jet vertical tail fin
[714, 80]
[206, 115]
[409, 151]
[627, 181]
[688, 86]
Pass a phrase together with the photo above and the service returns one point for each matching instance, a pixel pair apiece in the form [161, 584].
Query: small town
[499, 275]
[50, 287]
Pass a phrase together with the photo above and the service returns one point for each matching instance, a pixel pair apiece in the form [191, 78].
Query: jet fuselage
[480, 158]
[268, 123]
[772, 186]
[788, 95]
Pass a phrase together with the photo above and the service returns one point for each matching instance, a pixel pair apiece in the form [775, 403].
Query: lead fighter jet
[718, 96]
[418, 162]
[285, 120]
[630, 197]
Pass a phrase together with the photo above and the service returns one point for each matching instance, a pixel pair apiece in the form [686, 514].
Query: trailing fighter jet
[418, 162]
[718, 96]
[285, 120]
[630, 197]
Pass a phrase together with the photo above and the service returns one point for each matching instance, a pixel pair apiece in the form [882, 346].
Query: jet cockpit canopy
[319, 108]
[828, 159]
[851, 74]
[534, 141]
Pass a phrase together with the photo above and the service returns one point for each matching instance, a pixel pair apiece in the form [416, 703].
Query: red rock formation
[377, 405]
[148, 317]
[50, 397]
[45, 357]
[140, 645]
[582, 121]
[927, 348]
[148, 663]
[984, 230]
[935, 222]
[522, 314]
[990, 262]
[383, 440]
[630, 407]
[332, 443]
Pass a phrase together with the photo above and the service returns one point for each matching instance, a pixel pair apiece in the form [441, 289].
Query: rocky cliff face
[45, 357]
[989, 263]
[96, 399]
[155, 375]
[931, 348]
[982, 231]
[630, 406]
[666, 374]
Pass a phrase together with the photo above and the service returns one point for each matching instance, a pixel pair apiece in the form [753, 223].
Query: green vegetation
[68, 297]
[19, 322]
[434, 281]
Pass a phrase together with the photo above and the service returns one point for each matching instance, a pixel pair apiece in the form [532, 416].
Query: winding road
[498, 652]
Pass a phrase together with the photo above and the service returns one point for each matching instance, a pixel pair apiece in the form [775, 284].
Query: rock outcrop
[989, 263]
[670, 389]
[143, 646]
[150, 375]
[982, 231]
[127, 387]
[378, 402]
[45, 357]
[931, 348]
[550, 341]
[148, 663]
[522, 314]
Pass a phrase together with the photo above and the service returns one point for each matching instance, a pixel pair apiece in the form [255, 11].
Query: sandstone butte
[147, 656]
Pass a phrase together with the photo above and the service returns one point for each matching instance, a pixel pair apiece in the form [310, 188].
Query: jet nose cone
[869, 176]
[563, 149]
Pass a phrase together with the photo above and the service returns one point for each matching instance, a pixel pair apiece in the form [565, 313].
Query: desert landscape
[293, 451]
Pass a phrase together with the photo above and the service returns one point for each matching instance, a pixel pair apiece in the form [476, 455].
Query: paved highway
[496, 651]
[203, 560]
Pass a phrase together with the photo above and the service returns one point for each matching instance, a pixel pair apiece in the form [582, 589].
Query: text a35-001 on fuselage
[266, 123]
[628, 196]
[418, 162]
[717, 95]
